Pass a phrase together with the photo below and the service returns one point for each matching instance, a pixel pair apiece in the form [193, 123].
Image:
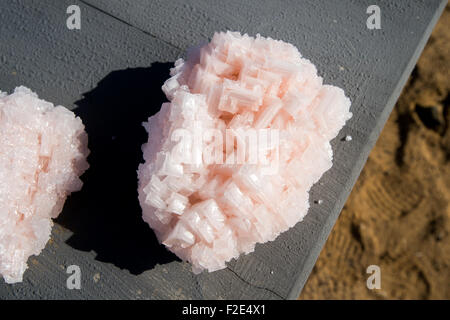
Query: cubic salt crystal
[209, 213]
[43, 152]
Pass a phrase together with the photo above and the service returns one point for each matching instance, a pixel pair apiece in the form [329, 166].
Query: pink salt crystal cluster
[43, 152]
[209, 213]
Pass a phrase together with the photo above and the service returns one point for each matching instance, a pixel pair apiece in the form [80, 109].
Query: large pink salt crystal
[43, 152]
[210, 212]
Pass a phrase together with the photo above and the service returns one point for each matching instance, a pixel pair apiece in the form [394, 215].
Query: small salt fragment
[209, 212]
[43, 152]
[320, 201]
[348, 138]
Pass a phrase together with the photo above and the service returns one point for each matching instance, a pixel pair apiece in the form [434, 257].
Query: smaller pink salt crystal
[211, 212]
[43, 152]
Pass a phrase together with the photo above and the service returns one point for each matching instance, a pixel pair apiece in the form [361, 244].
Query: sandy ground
[398, 215]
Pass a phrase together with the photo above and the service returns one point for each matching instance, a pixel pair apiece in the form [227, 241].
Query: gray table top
[110, 72]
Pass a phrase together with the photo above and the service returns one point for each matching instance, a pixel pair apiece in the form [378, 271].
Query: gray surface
[37, 50]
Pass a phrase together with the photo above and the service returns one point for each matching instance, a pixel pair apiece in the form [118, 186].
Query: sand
[398, 214]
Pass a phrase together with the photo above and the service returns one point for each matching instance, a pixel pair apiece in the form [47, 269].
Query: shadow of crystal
[105, 216]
